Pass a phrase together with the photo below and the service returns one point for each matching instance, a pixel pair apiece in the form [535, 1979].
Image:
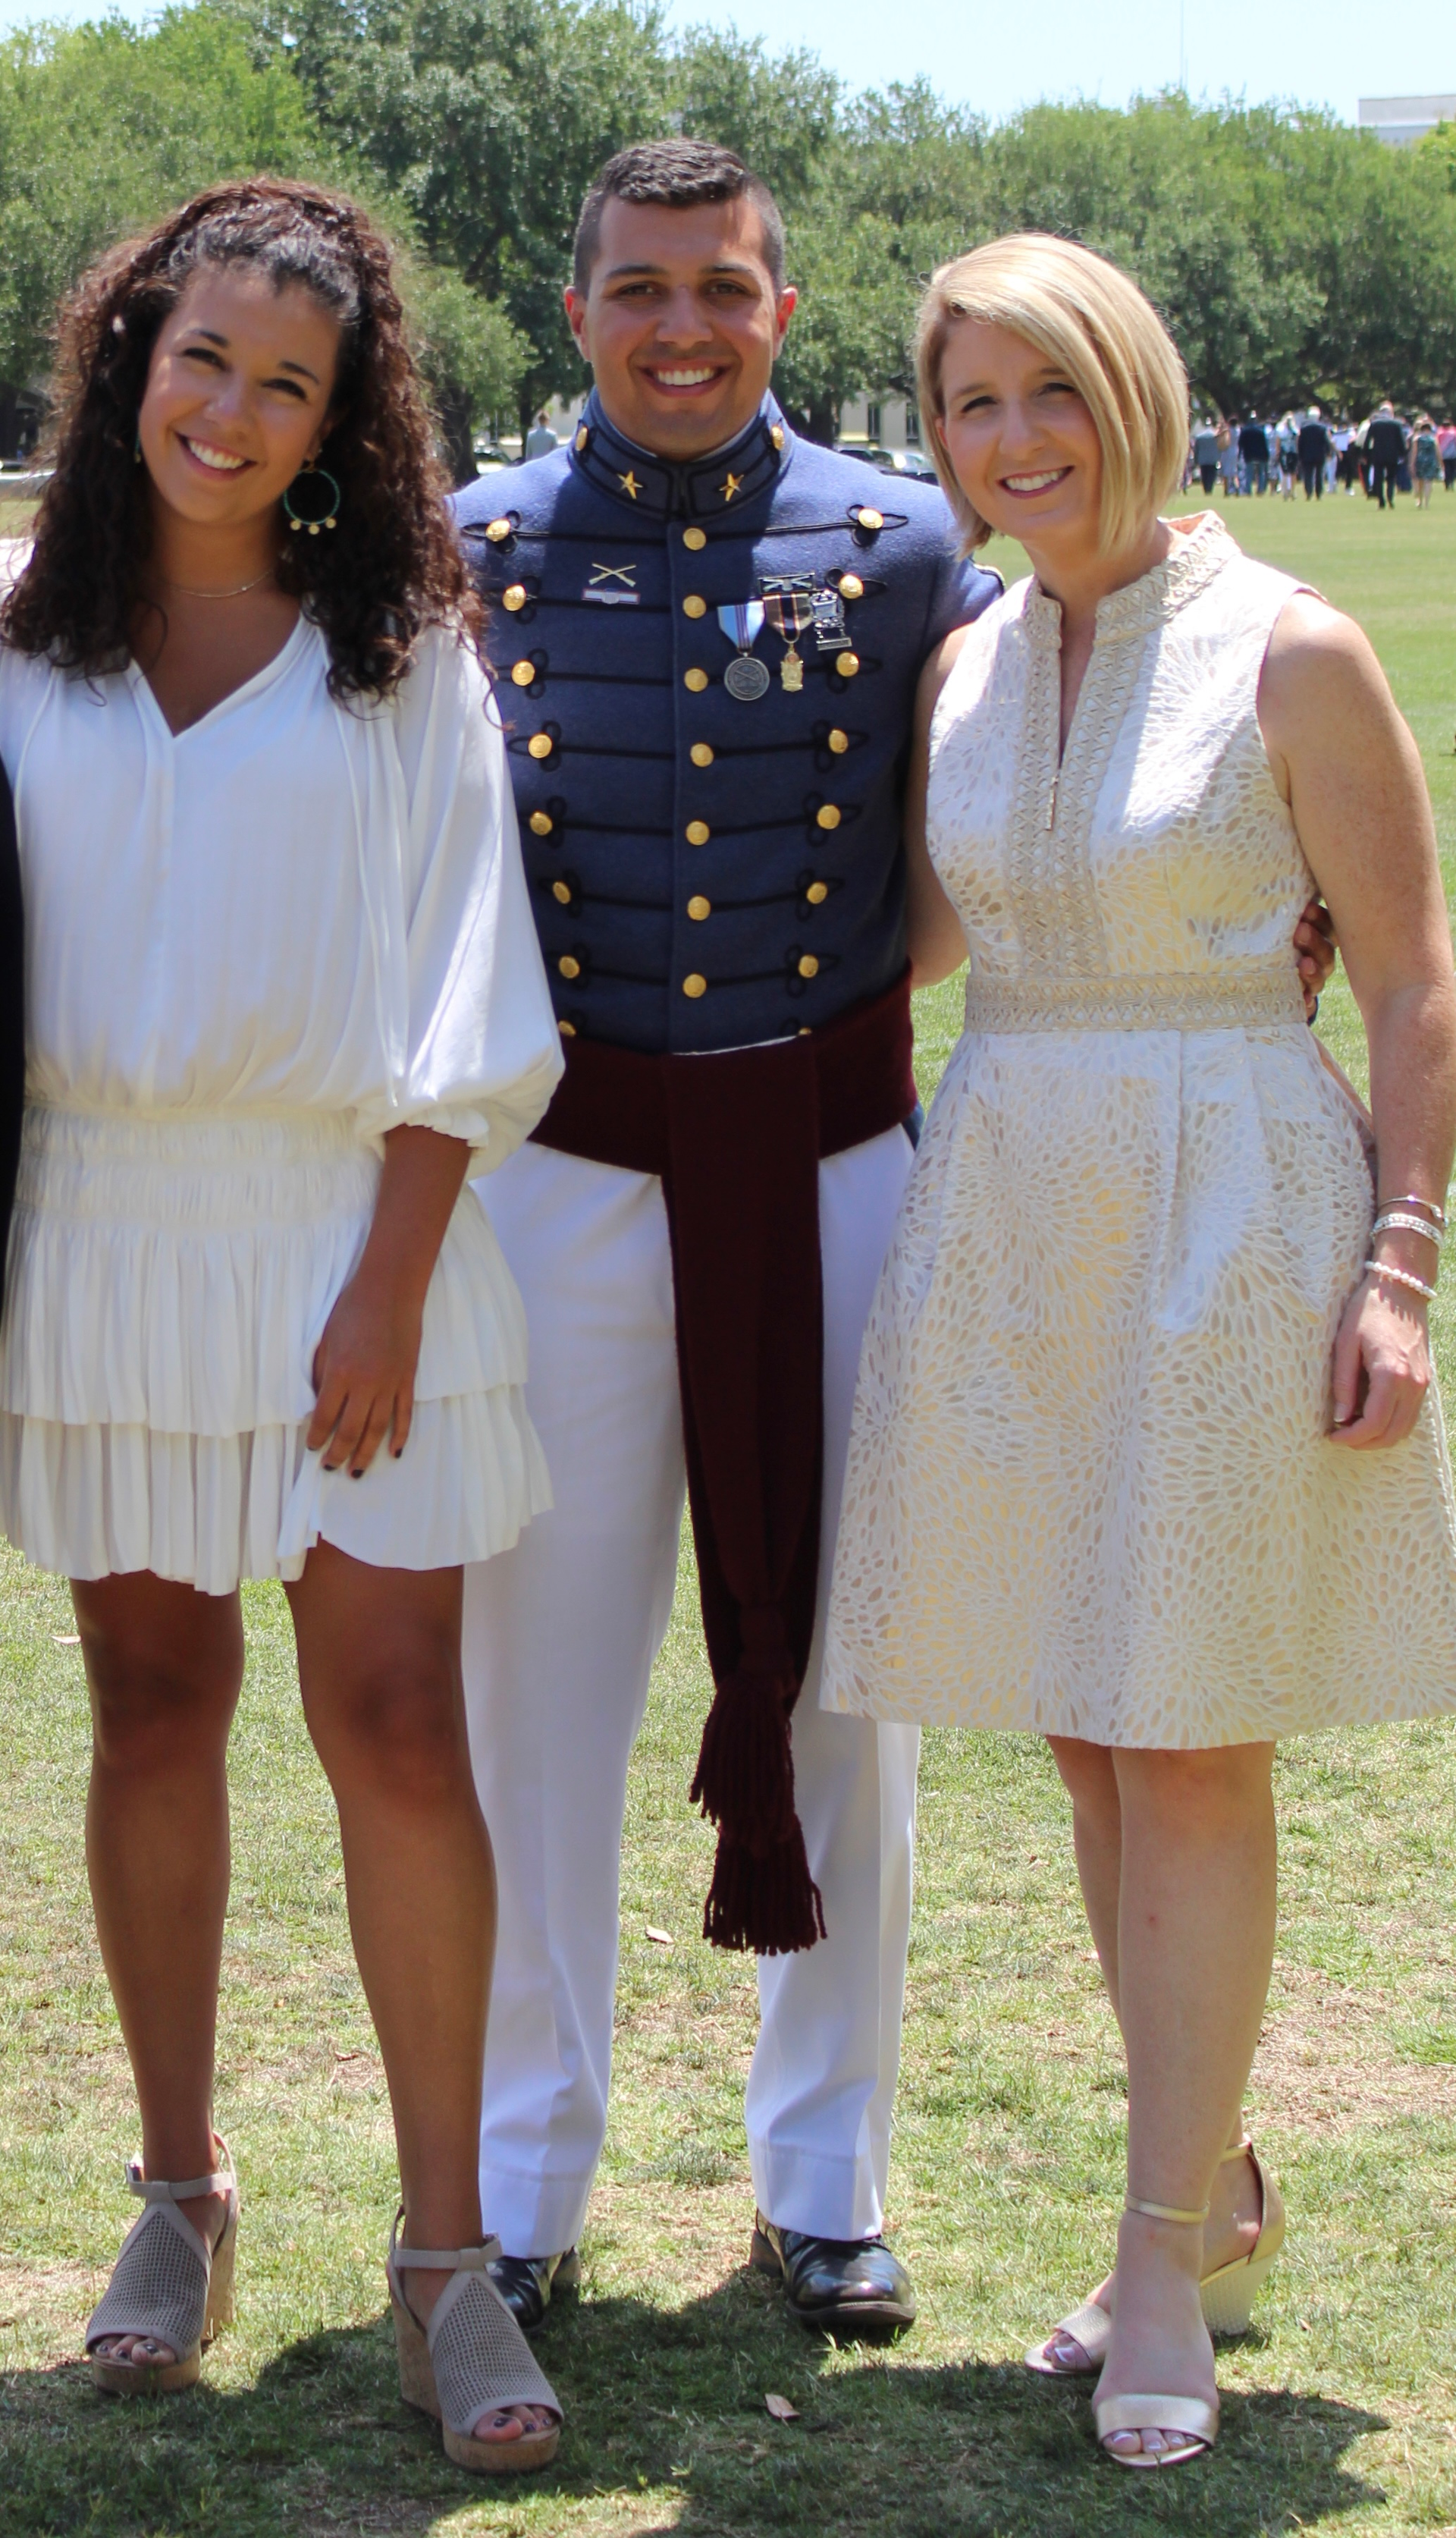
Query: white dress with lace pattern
[1090, 1490]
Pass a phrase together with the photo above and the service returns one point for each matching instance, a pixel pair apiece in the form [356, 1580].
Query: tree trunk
[824, 421]
[457, 434]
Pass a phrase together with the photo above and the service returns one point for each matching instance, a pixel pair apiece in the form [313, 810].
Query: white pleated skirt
[170, 1277]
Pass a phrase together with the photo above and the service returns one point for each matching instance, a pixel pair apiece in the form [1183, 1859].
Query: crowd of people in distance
[1386, 455]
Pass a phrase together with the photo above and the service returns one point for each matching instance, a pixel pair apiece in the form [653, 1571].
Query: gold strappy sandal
[1227, 2293]
[166, 2284]
[1193, 2417]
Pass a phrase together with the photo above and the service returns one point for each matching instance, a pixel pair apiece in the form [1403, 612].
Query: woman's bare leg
[1089, 1776]
[165, 1665]
[1195, 1948]
[380, 1665]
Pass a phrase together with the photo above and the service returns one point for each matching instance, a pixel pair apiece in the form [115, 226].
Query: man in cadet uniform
[708, 635]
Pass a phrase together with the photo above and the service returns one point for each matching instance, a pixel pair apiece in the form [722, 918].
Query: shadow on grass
[667, 2426]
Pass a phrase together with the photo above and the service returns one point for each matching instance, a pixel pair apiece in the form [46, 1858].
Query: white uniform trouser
[559, 1638]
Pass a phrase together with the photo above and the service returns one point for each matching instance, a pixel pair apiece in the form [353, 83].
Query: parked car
[872, 454]
[889, 462]
[489, 457]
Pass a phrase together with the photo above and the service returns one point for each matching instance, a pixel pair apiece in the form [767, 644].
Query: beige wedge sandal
[166, 2284]
[471, 2359]
[1227, 2293]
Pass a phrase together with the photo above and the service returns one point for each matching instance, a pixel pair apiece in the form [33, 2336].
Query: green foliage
[470, 351]
[780, 116]
[1291, 255]
[102, 128]
[487, 119]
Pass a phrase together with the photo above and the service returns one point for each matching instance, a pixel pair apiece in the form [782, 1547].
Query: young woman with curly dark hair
[284, 993]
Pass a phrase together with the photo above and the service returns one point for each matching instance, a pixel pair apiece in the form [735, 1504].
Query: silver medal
[747, 678]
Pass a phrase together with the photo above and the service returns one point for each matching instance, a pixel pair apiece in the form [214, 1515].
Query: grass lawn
[1340, 2412]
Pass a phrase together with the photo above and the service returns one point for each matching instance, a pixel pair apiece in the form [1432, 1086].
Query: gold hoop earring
[328, 519]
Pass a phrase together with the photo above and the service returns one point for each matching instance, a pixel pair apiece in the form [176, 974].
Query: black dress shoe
[526, 2283]
[843, 2286]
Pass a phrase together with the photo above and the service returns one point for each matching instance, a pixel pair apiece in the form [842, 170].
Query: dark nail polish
[357, 1473]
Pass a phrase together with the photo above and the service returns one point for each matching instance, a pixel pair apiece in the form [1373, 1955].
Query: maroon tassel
[745, 1776]
[762, 1895]
[768, 1903]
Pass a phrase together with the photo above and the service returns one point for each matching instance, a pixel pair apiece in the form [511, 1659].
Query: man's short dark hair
[677, 174]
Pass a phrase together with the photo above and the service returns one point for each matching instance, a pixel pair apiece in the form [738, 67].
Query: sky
[996, 58]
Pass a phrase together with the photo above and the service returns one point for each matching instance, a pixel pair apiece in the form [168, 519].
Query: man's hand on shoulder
[934, 937]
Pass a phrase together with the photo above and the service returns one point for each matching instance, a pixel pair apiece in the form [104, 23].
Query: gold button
[523, 675]
[698, 908]
[696, 680]
[496, 530]
[581, 438]
[700, 754]
[826, 816]
[697, 833]
[869, 519]
[568, 967]
[561, 890]
[694, 986]
[775, 434]
[514, 598]
[541, 824]
[839, 742]
[538, 745]
[809, 967]
[850, 584]
[694, 540]
[692, 606]
[566, 1030]
[817, 892]
[847, 665]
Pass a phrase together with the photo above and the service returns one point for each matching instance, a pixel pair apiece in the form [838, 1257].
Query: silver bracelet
[1394, 1219]
[1402, 1278]
[1410, 1198]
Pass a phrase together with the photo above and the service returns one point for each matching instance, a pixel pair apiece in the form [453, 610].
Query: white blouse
[205, 933]
[255, 947]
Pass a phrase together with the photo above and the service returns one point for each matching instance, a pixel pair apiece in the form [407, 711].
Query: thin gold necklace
[190, 593]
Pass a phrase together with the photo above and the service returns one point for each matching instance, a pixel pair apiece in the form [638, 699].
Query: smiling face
[1022, 441]
[237, 396]
[681, 322]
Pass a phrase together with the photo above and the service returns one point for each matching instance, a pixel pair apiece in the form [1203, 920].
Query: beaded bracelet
[1410, 1198]
[1401, 1278]
[1394, 1219]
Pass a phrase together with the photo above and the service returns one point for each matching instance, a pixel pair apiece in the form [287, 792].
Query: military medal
[746, 677]
[831, 633]
[790, 613]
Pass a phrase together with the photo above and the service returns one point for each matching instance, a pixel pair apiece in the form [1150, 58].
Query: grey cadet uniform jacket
[708, 871]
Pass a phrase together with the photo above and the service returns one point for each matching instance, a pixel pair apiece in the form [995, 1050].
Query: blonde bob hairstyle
[1096, 325]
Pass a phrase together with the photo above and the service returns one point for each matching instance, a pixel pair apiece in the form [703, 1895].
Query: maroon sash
[736, 1137]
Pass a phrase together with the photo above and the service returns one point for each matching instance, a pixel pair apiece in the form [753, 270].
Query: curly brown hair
[394, 566]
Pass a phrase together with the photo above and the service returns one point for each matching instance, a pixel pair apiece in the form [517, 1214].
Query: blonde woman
[1146, 1454]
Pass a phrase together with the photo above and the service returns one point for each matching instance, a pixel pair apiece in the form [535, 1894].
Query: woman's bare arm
[1351, 772]
[363, 1367]
[937, 944]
